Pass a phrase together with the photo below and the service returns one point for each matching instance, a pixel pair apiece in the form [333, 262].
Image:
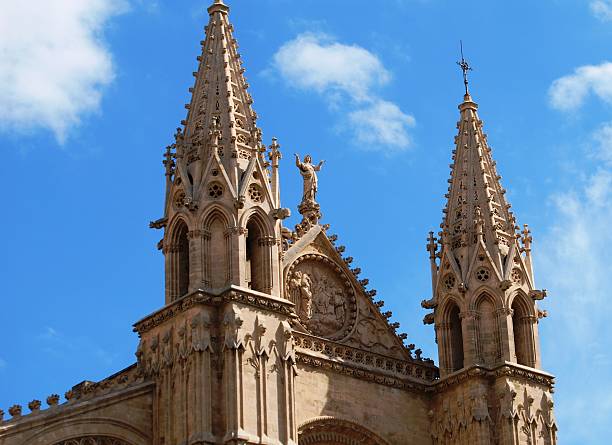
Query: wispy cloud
[602, 9]
[60, 346]
[2, 363]
[576, 261]
[570, 92]
[602, 137]
[346, 76]
[54, 63]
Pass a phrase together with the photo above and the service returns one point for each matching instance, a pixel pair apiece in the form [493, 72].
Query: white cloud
[54, 63]
[576, 263]
[602, 9]
[347, 76]
[382, 123]
[603, 139]
[315, 62]
[569, 92]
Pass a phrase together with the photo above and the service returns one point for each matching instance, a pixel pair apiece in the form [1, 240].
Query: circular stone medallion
[323, 296]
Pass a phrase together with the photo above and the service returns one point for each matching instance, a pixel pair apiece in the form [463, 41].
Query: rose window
[255, 193]
[449, 281]
[179, 199]
[215, 191]
[483, 274]
[517, 276]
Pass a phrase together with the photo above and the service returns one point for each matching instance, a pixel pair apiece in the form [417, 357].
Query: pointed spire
[218, 6]
[220, 118]
[476, 208]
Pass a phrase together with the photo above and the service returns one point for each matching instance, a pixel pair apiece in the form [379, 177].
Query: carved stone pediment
[323, 295]
[332, 302]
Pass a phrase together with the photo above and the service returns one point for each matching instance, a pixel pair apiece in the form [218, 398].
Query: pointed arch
[74, 431]
[485, 291]
[489, 348]
[334, 431]
[523, 321]
[216, 248]
[450, 332]
[177, 259]
[263, 219]
[258, 251]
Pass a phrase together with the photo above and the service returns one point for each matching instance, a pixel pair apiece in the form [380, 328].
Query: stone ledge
[70, 409]
[504, 369]
[201, 297]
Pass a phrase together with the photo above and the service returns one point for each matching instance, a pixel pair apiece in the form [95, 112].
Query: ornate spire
[484, 299]
[476, 212]
[220, 119]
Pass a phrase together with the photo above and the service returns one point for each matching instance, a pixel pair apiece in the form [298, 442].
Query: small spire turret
[482, 261]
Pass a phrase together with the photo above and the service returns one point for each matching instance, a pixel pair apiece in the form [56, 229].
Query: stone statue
[300, 285]
[309, 175]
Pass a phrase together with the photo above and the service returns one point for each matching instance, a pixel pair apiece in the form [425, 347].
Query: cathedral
[268, 335]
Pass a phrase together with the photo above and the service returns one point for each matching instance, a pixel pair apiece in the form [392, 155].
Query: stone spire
[484, 297]
[220, 120]
[476, 213]
[222, 214]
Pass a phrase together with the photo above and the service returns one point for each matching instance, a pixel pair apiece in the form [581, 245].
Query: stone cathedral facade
[269, 336]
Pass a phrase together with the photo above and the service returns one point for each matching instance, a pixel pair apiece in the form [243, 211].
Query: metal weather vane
[465, 67]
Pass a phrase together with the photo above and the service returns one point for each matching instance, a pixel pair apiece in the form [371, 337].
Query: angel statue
[308, 171]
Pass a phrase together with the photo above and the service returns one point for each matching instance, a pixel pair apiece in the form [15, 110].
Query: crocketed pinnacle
[220, 112]
[476, 208]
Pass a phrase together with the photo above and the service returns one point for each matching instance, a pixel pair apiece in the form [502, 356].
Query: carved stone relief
[323, 295]
[93, 440]
[373, 334]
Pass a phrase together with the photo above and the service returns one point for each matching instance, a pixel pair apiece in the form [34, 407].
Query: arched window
[489, 347]
[180, 260]
[522, 329]
[456, 338]
[255, 257]
[331, 431]
[216, 273]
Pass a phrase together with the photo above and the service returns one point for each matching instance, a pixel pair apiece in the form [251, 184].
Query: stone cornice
[200, 297]
[507, 369]
[73, 408]
[321, 353]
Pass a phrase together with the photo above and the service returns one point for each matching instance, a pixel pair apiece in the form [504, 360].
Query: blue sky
[92, 91]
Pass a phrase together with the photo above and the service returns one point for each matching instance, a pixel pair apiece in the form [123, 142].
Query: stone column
[504, 327]
[195, 258]
[233, 351]
[469, 327]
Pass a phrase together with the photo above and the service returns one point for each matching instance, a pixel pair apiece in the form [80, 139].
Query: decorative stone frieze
[93, 440]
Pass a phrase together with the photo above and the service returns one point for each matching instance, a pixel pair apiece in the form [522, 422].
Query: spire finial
[218, 6]
[465, 67]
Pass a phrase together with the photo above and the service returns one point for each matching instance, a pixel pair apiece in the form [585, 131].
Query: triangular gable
[261, 180]
[332, 302]
[215, 163]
